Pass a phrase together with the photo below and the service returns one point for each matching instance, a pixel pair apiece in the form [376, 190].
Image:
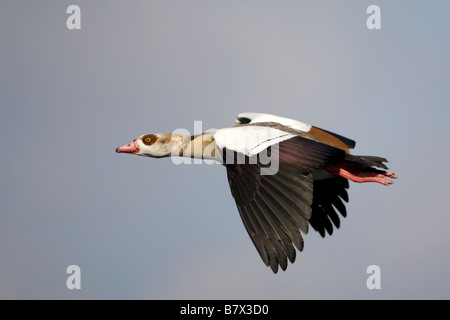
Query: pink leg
[364, 176]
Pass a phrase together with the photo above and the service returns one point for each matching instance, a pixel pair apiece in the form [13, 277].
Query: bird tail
[365, 161]
[363, 169]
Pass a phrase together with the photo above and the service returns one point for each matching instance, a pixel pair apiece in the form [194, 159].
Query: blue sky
[148, 229]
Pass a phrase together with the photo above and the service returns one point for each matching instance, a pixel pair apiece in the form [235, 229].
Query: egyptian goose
[283, 174]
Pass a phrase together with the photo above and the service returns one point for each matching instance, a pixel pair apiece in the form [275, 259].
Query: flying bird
[284, 175]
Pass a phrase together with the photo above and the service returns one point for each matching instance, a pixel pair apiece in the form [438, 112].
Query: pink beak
[128, 148]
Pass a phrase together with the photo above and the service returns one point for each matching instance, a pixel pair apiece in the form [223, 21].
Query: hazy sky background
[142, 228]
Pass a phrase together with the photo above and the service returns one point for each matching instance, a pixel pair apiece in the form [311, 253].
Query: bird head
[150, 145]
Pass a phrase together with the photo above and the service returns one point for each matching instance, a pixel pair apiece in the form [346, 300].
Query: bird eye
[149, 139]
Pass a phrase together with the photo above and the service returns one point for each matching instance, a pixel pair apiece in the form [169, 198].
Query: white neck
[201, 146]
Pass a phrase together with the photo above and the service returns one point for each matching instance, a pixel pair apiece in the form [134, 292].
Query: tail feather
[365, 161]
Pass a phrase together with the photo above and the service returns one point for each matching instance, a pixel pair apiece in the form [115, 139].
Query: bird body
[283, 174]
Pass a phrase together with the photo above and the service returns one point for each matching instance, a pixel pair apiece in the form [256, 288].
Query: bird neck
[201, 146]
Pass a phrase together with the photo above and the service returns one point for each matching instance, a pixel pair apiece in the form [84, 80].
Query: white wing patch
[249, 140]
[264, 117]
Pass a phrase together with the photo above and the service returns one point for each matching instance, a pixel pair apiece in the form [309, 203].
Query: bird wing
[327, 203]
[311, 132]
[249, 140]
[275, 208]
[253, 117]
